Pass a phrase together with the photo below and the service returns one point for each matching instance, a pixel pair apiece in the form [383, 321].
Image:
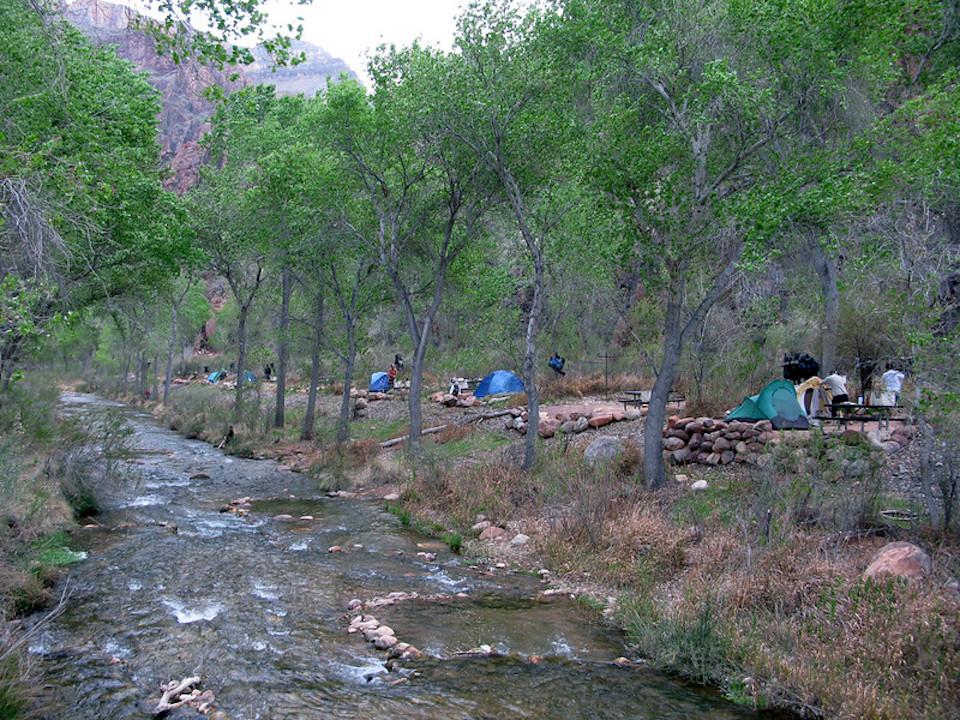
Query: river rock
[283, 517]
[548, 428]
[602, 450]
[481, 526]
[520, 539]
[678, 433]
[200, 476]
[568, 427]
[900, 559]
[600, 420]
[334, 549]
[385, 642]
[727, 457]
[741, 448]
[699, 485]
[673, 443]
[492, 533]
[720, 444]
[679, 457]
[355, 604]
[581, 424]
[437, 397]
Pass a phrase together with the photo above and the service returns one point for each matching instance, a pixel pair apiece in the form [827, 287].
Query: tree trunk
[826, 268]
[310, 415]
[343, 422]
[155, 389]
[171, 349]
[126, 372]
[286, 285]
[416, 386]
[530, 363]
[926, 472]
[653, 470]
[241, 359]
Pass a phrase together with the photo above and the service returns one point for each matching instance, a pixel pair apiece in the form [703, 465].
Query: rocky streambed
[257, 607]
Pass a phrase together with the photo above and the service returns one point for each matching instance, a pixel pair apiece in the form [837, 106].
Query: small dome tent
[777, 402]
[499, 382]
[379, 382]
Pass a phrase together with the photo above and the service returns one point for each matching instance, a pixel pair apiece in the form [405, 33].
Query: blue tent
[216, 376]
[499, 382]
[249, 377]
[379, 382]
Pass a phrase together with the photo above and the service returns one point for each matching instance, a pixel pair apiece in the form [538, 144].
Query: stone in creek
[283, 517]
[622, 662]
[306, 517]
[385, 642]
[334, 549]
[200, 476]
[355, 604]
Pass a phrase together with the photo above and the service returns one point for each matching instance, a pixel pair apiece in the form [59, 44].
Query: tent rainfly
[777, 402]
[499, 382]
[379, 382]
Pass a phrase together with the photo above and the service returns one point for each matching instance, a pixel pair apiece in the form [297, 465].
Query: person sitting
[556, 364]
[836, 385]
[267, 371]
[455, 387]
[398, 361]
[392, 375]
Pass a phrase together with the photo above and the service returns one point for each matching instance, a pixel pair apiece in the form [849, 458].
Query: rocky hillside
[183, 118]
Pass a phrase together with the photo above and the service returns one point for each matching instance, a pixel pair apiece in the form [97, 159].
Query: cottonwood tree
[509, 102]
[424, 197]
[701, 123]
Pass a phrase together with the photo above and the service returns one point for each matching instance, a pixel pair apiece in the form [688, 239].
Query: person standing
[892, 382]
[556, 363]
[836, 385]
[392, 375]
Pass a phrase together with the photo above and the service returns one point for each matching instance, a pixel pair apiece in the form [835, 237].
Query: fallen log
[485, 416]
[403, 438]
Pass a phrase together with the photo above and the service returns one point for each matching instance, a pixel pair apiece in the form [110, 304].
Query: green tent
[777, 402]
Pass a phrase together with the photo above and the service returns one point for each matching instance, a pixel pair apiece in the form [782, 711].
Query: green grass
[477, 443]
[719, 503]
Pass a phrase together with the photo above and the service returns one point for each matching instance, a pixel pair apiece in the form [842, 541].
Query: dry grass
[452, 433]
[570, 386]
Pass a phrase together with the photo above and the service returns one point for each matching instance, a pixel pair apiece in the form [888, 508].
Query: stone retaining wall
[714, 442]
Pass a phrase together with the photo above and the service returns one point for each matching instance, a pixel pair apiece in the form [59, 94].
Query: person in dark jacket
[556, 363]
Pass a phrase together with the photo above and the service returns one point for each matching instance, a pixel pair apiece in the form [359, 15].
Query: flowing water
[256, 607]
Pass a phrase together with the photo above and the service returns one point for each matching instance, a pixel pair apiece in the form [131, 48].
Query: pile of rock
[709, 441]
[901, 436]
[382, 637]
[569, 423]
[370, 395]
[463, 400]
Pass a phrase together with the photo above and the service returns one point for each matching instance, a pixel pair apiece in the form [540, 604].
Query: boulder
[695, 427]
[481, 526]
[899, 559]
[727, 457]
[696, 440]
[632, 414]
[598, 421]
[385, 642]
[449, 400]
[492, 533]
[699, 485]
[707, 422]
[685, 436]
[437, 397]
[734, 436]
[360, 403]
[518, 423]
[721, 444]
[891, 447]
[683, 422]
[618, 415]
[602, 450]
[713, 459]
[568, 427]
[763, 426]
[749, 434]
[548, 428]
[741, 448]
[673, 443]
[520, 539]
[581, 424]
[467, 402]
[679, 457]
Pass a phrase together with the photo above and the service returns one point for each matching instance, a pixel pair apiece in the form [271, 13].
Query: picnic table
[640, 398]
[843, 413]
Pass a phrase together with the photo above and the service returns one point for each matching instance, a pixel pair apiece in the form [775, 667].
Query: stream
[258, 608]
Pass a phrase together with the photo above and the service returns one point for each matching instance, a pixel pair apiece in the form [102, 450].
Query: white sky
[350, 28]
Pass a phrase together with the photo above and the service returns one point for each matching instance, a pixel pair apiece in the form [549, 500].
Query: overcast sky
[350, 28]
